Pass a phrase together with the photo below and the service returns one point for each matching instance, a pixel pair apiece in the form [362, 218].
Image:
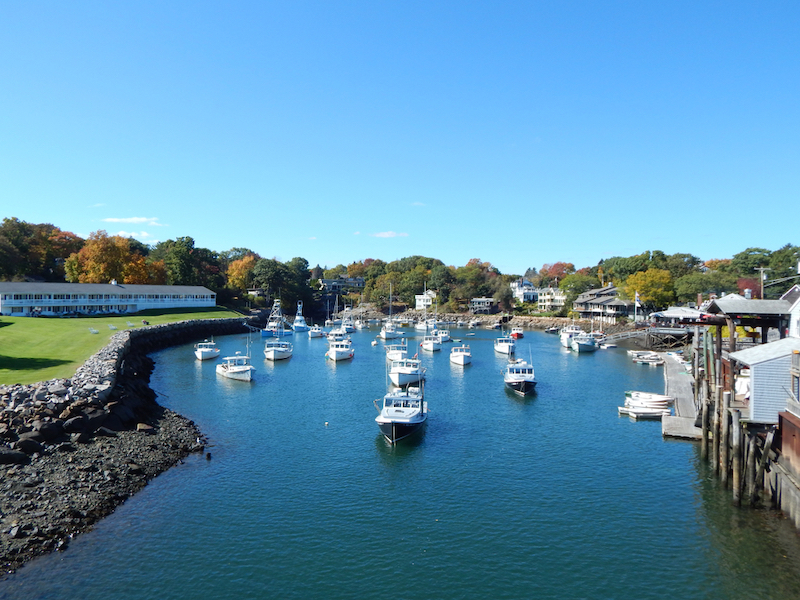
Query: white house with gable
[425, 300]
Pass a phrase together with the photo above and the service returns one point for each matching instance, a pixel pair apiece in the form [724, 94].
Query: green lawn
[42, 348]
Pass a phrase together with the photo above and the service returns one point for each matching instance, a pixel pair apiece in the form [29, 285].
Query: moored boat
[583, 342]
[397, 351]
[566, 334]
[316, 331]
[206, 349]
[431, 343]
[406, 371]
[340, 350]
[520, 377]
[299, 323]
[517, 333]
[402, 413]
[275, 322]
[277, 349]
[236, 367]
[460, 355]
[505, 345]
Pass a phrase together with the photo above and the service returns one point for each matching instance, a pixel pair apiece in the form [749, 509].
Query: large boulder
[12, 457]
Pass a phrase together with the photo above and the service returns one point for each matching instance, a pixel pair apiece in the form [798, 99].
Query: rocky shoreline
[72, 450]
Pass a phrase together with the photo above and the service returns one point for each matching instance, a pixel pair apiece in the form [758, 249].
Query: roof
[736, 304]
[765, 352]
[13, 287]
[678, 312]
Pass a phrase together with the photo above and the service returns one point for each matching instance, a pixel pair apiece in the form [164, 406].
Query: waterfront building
[603, 305]
[481, 305]
[25, 299]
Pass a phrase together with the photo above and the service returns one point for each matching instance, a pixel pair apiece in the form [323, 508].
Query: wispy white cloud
[356, 233]
[313, 237]
[149, 221]
[388, 234]
[417, 204]
[139, 235]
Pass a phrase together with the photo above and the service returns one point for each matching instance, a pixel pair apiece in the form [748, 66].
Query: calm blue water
[553, 496]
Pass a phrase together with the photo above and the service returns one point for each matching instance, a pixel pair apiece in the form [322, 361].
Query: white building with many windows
[551, 299]
[32, 299]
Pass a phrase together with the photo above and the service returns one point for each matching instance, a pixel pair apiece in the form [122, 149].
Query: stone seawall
[72, 450]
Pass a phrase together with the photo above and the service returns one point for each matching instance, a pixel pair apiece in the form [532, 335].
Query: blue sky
[520, 133]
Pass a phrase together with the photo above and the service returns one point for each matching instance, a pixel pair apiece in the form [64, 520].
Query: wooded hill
[44, 252]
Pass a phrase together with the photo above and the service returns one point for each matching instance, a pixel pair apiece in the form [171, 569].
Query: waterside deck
[678, 384]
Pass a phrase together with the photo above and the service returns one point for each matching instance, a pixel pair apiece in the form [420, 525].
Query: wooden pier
[678, 384]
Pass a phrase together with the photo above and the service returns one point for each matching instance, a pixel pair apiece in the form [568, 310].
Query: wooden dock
[678, 384]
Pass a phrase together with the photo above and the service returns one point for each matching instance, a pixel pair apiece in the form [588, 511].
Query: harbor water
[548, 496]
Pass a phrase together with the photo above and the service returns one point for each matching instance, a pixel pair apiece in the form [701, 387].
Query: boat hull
[206, 354]
[460, 359]
[404, 379]
[237, 374]
[394, 431]
[522, 387]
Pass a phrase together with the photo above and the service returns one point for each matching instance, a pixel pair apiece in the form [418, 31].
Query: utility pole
[762, 277]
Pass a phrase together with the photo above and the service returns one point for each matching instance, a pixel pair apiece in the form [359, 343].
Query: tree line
[46, 253]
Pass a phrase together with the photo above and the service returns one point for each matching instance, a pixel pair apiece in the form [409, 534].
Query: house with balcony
[603, 305]
[26, 299]
[482, 305]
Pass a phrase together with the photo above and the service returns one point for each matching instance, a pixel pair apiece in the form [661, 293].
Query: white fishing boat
[277, 349]
[348, 321]
[583, 342]
[517, 333]
[316, 331]
[505, 345]
[397, 351]
[341, 350]
[460, 355]
[275, 322]
[389, 330]
[444, 334]
[566, 334]
[474, 323]
[406, 371]
[299, 323]
[431, 343]
[337, 334]
[402, 413]
[520, 377]
[236, 367]
[206, 349]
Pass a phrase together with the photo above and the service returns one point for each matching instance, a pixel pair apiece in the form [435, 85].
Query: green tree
[711, 282]
[745, 263]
